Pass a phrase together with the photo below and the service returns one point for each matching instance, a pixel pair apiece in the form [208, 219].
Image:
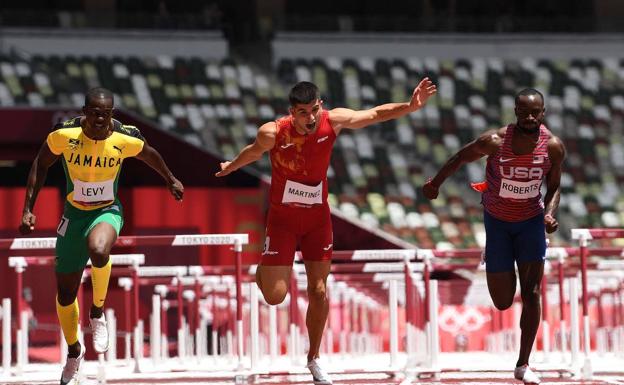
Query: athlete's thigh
[530, 241]
[317, 243]
[101, 238]
[502, 288]
[273, 281]
[71, 244]
[280, 244]
[104, 227]
[275, 268]
[499, 246]
[102, 234]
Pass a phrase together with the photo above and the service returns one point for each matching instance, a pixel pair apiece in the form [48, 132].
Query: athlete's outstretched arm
[37, 176]
[265, 140]
[346, 118]
[152, 158]
[556, 153]
[486, 144]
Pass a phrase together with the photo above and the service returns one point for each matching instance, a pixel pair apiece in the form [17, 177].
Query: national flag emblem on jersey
[74, 143]
[538, 159]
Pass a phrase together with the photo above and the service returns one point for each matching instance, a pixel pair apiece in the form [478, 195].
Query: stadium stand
[375, 176]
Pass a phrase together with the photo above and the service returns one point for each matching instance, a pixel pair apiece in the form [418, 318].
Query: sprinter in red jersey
[520, 156]
[300, 146]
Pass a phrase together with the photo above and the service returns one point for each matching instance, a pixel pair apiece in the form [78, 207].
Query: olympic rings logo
[469, 320]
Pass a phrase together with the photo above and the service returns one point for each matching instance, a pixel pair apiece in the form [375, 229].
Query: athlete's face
[307, 116]
[98, 114]
[530, 113]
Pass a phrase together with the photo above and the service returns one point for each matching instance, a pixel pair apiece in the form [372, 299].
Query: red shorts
[289, 227]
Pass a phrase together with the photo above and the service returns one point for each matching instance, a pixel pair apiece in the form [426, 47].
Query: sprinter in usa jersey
[520, 157]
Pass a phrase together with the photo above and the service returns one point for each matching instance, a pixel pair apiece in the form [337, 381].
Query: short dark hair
[303, 93]
[528, 92]
[98, 93]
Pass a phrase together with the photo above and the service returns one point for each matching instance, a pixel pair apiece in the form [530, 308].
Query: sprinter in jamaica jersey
[92, 149]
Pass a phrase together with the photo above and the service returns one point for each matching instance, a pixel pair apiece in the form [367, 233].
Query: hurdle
[383, 269]
[154, 275]
[605, 285]
[605, 293]
[235, 240]
[199, 285]
[360, 303]
[189, 285]
[130, 282]
[205, 280]
[584, 236]
[19, 264]
[559, 255]
[6, 336]
[373, 278]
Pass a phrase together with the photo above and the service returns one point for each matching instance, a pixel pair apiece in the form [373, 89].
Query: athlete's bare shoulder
[490, 141]
[266, 135]
[268, 128]
[501, 132]
[553, 139]
[556, 148]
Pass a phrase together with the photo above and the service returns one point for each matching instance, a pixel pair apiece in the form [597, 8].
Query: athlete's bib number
[62, 227]
[91, 192]
[300, 193]
[520, 190]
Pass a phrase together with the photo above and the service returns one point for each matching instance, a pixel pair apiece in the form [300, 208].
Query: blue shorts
[507, 242]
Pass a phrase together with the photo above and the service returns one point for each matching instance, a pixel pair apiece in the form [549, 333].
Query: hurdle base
[101, 370]
[250, 377]
[420, 374]
[241, 379]
[429, 375]
[586, 370]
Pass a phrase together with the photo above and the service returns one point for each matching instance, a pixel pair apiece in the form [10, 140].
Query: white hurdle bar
[253, 325]
[155, 332]
[6, 336]
[159, 344]
[237, 240]
[434, 341]
[574, 327]
[201, 284]
[111, 324]
[19, 264]
[394, 322]
[126, 284]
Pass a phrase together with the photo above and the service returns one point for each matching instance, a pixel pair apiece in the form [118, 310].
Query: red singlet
[299, 212]
[514, 181]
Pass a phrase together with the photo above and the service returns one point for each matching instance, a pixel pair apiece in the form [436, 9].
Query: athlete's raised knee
[99, 251]
[274, 297]
[502, 303]
[273, 282]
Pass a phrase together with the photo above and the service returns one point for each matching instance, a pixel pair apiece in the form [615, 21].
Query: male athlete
[300, 146]
[92, 148]
[519, 157]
